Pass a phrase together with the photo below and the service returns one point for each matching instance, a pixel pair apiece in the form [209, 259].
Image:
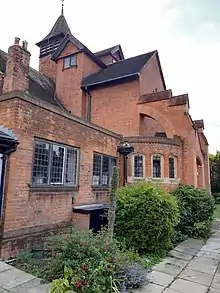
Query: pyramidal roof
[60, 27]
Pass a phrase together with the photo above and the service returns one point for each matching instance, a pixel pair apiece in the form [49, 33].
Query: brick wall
[149, 126]
[110, 103]
[158, 146]
[150, 77]
[68, 81]
[48, 67]
[26, 207]
[166, 114]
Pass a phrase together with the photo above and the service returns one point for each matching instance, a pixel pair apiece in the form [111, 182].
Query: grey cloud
[198, 18]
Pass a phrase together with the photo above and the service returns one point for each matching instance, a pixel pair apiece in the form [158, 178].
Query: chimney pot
[25, 45]
[17, 41]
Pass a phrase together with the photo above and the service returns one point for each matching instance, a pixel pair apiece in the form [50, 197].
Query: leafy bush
[216, 197]
[145, 217]
[87, 262]
[196, 211]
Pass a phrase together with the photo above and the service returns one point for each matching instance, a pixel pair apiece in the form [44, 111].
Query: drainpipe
[5, 156]
[89, 103]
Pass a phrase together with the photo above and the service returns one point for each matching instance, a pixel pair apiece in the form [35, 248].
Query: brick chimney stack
[1, 82]
[17, 68]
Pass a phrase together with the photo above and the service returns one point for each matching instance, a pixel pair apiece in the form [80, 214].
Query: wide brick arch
[158, 116]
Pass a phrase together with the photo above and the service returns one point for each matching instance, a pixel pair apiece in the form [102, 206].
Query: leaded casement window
[138, 165]
[172, 167]
[102, 169]
[157, 165]
[69, 61]
[54, 164]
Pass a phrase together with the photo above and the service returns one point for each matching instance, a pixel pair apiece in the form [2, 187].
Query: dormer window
[69, 61]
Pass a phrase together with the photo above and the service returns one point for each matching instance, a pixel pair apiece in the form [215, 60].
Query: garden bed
[82, 261]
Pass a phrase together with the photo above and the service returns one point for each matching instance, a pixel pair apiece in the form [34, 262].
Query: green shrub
[145, 217]
[196, 211]
[86, 262]
[216, 197]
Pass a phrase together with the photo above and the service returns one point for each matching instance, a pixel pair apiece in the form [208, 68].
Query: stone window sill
[53, 188]
[100, 188]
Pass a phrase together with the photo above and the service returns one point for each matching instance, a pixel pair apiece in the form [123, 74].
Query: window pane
[41, 163]
[66, 62]
[157, 166]
[73, 60]
[57, 167]
[105, 170]
[171, 168]
[138, 166]
[97, 159]
[71, 166]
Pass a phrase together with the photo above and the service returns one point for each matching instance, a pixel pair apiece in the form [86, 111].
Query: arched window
[157, 166]
[138, 166]
[172, 167]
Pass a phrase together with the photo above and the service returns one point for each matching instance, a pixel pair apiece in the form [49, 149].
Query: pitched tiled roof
[118, 70]
[199, 123]
[60, 27]
[40, 86]
[105, 51]
[80, 46]
[111, 50]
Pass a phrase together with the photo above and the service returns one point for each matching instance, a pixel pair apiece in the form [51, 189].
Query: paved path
[17, 281]
[193, 266]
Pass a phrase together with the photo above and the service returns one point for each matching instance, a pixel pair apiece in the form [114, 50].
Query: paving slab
[150, 288]
[170, 291]
[184, 286]
[3, 291]
[171, 266]
[180, 255]
[208, 254]
[187, 250]
[160, 278]
[213, 290]
[14, 277]
[216, 282]
[203, 265]
[25, 287]
[196, 277]
[41, 289]
[4, 267]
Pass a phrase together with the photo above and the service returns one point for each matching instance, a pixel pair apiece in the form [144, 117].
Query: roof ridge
[110, 48]
[123, 60]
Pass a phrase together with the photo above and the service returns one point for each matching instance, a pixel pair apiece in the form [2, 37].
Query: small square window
[69, 61]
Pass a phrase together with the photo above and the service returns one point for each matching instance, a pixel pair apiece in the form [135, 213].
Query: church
[61, 128]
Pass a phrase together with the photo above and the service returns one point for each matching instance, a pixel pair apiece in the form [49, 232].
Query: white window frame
[65, 147]
[64, 164]
[144, 166]
[161, 166]
[101, 170]
[69, 60]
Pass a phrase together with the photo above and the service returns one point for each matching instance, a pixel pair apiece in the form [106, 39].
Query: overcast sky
[185, 32]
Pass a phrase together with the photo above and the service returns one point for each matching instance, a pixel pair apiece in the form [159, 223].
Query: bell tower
[50, 43]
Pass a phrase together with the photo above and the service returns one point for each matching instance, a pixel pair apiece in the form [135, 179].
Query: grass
[217, 211]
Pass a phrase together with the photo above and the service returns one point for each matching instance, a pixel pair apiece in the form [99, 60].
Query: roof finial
[62, 10]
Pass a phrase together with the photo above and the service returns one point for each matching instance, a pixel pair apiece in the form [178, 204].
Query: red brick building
[60, 128]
